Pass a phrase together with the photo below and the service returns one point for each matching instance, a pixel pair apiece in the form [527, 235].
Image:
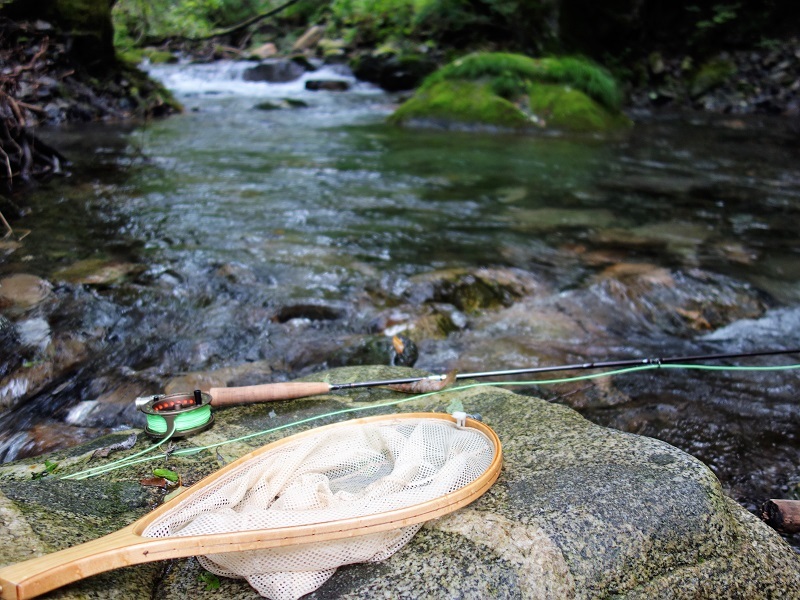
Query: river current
[284, 237]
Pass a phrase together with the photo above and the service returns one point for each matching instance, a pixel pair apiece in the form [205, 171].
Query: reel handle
[267, 392]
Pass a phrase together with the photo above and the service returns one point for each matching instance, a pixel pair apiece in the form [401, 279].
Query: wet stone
[22, 292]
[471, 290]
[275, 71]
[97, 272]
[327, 85]
[579, 510]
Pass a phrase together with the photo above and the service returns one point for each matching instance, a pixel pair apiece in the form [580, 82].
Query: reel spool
[183, 414]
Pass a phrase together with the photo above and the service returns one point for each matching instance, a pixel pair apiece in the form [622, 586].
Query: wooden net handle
[127, 546]
[267, 392]
[39, 575]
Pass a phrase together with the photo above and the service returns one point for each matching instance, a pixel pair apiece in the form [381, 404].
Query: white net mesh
[341, 473]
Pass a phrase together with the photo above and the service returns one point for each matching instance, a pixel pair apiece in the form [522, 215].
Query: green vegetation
[710, 75]
[720, 15]
[514, 91]
[564, 107]
[166, 474]
[50, 467]
[511, 74]
[135, 20]
[358, 23]
[465, 102]
[210, 580]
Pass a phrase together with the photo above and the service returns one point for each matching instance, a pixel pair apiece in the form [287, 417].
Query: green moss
[151, 98]
[504, 90]
[564, 107]
[710, 75]
[469, 103]
[158, 57]
[131, 56]
[509, 74]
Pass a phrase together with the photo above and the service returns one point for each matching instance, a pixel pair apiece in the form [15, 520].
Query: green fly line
[140, 457]
[184, 421]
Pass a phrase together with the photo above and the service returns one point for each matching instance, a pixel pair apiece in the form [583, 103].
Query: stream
[271, 244]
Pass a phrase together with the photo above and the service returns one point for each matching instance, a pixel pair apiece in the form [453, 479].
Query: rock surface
[579, 511]
[506, 91]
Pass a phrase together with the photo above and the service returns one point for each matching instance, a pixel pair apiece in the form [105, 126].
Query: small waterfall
[227, 78]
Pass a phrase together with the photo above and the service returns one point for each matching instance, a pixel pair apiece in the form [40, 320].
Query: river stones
[472, 290]
[551, 219]
[579, 511]
[63, 352]
[275, 70]
[22, 292]
[97, 272]
[327, 85]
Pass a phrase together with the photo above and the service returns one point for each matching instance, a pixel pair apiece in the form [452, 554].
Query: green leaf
[211, 581]
[454, 406]
[49, 467]
[166, 474]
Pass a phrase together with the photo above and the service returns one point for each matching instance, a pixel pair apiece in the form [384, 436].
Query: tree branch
[228, 30]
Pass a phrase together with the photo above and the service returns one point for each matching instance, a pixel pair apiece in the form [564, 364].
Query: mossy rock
[97, 272]
[711, 75]
[393, 69]
[460, 104]
[282, 104]
[563, 107]
[159, 57]
[511, 91]
[136, 56]
[578, 510]
[131, 56]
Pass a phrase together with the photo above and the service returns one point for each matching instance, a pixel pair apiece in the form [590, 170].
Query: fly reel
[181, 414]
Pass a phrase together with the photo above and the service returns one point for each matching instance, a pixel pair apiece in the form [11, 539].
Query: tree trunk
[86, 25]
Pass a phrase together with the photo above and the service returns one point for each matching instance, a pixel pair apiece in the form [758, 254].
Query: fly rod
[175, 405]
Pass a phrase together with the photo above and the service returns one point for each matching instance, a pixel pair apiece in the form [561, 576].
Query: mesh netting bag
[344, 473]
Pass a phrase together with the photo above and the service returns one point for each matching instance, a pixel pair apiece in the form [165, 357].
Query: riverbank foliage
[457, 23]
[618, 33]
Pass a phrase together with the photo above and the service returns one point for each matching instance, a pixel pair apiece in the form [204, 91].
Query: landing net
[343, 473]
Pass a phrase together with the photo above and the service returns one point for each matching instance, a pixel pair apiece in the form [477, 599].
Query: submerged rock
[97, 272]
[393, 71]
[473, 290]
[23, 292]
[579, 511]
[327, 85]
[275, 70]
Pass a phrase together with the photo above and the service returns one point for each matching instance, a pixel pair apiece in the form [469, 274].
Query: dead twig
[9, 230]
[32, 64]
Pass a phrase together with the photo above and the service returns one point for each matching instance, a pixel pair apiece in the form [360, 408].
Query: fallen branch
[783, 515]
[32, 63]
[9, 231]
[227, 31]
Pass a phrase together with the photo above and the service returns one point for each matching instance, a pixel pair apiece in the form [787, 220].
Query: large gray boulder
[579, 511]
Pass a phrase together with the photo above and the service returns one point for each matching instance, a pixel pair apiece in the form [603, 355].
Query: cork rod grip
[267, 392]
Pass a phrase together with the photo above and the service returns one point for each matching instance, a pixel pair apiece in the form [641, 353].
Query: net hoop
[333, 530]
[128, 546]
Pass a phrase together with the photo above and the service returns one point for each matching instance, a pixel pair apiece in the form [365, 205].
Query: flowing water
[273, 242]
